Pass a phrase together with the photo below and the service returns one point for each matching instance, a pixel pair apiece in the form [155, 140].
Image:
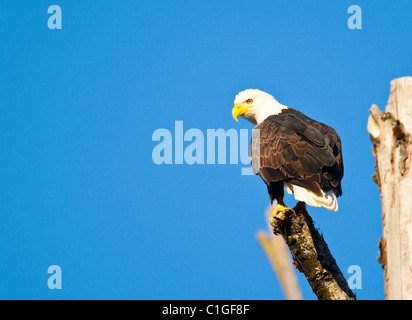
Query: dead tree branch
[311, 254]
[279, 257]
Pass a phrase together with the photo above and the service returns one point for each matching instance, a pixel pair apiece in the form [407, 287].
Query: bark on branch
[311, 254]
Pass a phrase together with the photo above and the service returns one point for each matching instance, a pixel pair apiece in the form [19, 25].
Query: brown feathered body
[299, 153]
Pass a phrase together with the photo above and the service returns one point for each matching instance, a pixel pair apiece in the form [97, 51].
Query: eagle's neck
[270, 109]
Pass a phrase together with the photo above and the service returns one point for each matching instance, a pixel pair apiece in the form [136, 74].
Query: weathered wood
[390, 132]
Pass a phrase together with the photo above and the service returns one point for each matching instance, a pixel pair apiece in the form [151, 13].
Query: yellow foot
[280, 208]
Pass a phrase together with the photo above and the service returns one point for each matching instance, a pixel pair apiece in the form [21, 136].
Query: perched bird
[297, 153]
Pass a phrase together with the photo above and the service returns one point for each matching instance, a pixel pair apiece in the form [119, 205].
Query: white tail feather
[327, 200]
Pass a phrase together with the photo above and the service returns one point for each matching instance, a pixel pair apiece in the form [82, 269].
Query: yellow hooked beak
[238, 110]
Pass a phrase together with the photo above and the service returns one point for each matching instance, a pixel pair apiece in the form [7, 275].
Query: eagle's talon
[280, 209]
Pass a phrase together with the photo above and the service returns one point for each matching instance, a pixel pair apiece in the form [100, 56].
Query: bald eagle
[297, 153]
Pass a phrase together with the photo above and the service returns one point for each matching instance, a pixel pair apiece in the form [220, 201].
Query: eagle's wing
[299, 150]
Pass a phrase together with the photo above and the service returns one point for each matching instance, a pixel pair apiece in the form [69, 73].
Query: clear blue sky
[78, 107]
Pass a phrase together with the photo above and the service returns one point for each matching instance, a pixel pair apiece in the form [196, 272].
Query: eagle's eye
[249, 101]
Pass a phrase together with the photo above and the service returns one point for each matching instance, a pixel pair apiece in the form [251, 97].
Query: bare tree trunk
[390, 132]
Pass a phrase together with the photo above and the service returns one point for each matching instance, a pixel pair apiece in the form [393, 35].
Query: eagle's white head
[255, 105]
